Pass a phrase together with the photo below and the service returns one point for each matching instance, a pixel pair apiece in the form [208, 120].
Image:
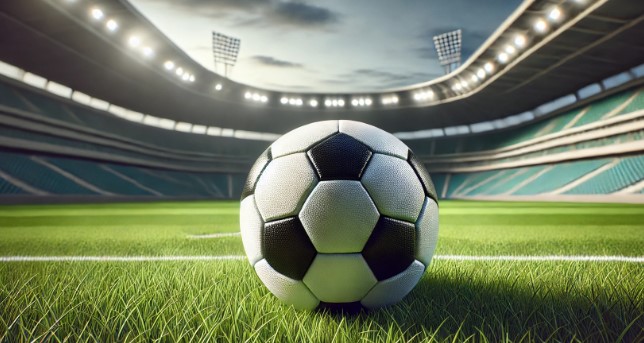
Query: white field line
[117, 258]
[215, 235]
[553, 258]
[557, 258]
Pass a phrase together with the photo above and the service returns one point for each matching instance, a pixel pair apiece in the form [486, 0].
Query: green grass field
[223, 301]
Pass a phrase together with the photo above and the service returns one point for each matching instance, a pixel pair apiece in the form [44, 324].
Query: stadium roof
[586, 42]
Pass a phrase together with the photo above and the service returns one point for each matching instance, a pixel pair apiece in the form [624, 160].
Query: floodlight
[256, 97]
[192, 78]
[284, 100]
[185, 77]
[168, 65]
[555, 14]
[313, 103]
[480, 73]
[299, 102]
[448, 47]
[489, 67]
[327, 103]
[510, 49]
[148, 52]
[540, 26]
[341, 103]
[134, 41]
[424, 95]
[464, 84]
[112, 25]
[474, 78]
[456, 87]
[218, 87]
[393, 99]
[248, 95]
[519, 41]
[179, 71]
[97, 13]
[225, 50]
[263, 98]
[368, 101]
[354, 102]
[502, 57]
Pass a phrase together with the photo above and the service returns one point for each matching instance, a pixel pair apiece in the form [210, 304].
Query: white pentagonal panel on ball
[339, 278]
[286, 289]
[394, 187]
[284, 185]
[392, 290]
[339, 216]
[250, 223]
[427, 232]
[302, 138]
[377, 139]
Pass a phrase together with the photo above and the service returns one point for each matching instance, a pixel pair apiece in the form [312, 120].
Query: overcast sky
[327, 45]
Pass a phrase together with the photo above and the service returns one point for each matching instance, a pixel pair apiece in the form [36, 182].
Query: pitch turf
[213, 301]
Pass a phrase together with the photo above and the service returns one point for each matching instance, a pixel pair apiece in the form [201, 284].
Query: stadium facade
[550, 107]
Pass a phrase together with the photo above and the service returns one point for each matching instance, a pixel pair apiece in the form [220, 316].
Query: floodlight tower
[225, 50]
[448, 47]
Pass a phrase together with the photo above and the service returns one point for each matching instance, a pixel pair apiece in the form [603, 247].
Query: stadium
[122, 166]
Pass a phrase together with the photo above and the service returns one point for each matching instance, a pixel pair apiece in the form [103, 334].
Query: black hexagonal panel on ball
[390, 248]
[255, 172]
[287, 248]
[340, 157]
[423, 175]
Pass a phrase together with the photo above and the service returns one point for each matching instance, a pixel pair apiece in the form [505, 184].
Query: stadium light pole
[448, 47]
[225, 50]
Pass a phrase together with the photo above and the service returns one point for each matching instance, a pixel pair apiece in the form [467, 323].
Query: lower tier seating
[623, 174]
[28, 174]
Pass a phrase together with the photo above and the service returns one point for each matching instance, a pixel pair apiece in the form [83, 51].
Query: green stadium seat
[601, 108]
[23, 168]
[8, 188]
[635, 105]
[626, 172]
[559, 176]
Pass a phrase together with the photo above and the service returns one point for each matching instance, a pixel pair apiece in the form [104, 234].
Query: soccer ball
[339, 212]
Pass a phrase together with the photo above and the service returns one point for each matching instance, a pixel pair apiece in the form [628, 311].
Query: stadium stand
[560, 175]
[21, 101]
[624, 102]
[24, 168]
[66, 148]
[587, 177]
[627, 172]
[8, 188]
[67, 176]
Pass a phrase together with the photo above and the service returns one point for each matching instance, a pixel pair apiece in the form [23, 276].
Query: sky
[327, 45]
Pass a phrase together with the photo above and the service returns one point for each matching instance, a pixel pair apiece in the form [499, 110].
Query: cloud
[274, 62]
[257, 12]
[302, 14]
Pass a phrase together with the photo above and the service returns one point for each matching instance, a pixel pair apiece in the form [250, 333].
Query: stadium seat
[625, 173]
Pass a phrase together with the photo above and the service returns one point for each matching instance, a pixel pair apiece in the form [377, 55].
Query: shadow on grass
[444, 307]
